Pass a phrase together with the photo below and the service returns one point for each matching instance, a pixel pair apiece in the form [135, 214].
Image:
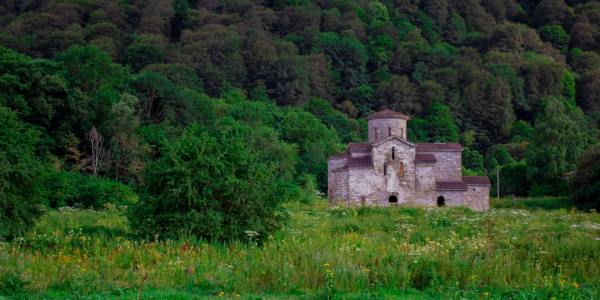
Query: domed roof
[388, 114]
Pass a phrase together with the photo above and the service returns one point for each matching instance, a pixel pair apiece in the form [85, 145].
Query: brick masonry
[384, 171]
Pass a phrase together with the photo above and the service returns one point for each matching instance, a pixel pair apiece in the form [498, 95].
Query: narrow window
[402, 133]
[393, 153]
[376, 134]
[389, 131]
[384, 169]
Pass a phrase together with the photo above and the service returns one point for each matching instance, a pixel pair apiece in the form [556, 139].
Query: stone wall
[399, 179]
[452, 198]
[425, 184]
[364, 182]
[448, 166]
[379, 129]
[335, 183]
[477, 197]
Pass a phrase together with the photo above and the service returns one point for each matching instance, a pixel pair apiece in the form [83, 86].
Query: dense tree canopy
[115, 89]
[20, 196]
[585, 185]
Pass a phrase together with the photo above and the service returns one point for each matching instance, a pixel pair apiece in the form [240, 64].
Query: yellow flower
[576, 285]
[221, 294]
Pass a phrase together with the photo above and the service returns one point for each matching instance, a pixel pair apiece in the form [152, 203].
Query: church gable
[394, 138]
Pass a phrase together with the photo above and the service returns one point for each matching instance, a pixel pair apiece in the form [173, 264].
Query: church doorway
[393, 199]
[441, 201]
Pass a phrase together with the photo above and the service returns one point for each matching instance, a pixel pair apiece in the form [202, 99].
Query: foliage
[19, 176]
[559, 139]
[210, 184]
[63, 188]
[556, 35]
[449, 253]
[136, 74]
[585, 185]
[442, 127]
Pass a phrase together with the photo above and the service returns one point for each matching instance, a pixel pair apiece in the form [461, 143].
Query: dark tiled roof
[425, 158]
[439, 147]
[344, 168]
[360, 162]
[476, 180]
[450, 186]
[359, 147]
[387, 114]
[339, 156]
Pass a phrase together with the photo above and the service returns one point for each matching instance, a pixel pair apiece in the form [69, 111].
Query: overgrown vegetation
[205, 117]
[453, 253]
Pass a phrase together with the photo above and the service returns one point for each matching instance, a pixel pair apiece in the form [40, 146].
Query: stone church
[390, 170]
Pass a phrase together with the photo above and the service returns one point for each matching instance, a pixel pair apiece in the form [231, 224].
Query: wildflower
[221, 294]
[251, 233]
[576, 285]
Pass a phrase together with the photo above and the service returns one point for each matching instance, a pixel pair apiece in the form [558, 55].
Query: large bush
[63, 188]
[211, 184]
[585, 186]
[19, 169]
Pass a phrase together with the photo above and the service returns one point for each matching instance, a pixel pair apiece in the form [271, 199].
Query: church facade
[390, 170]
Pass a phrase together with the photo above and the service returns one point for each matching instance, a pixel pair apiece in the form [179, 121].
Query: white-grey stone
[390, 170]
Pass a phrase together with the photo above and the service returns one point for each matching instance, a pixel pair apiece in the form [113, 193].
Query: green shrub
[210, 184]
[585, 186]
[80, 190]
[19, 176]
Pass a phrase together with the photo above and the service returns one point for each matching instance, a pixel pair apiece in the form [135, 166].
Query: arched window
[393, 153]
[441, 201]
[393, 199]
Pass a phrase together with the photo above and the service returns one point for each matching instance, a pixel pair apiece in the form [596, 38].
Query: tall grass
[545, 202]
[339, 252]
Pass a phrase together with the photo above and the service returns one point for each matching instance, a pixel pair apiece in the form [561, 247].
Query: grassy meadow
[538, 251]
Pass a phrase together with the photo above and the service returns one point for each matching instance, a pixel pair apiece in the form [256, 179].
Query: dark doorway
[393, 199]
[441, 201]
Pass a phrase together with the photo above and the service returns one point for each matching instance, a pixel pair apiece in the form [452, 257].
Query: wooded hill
[138, 93]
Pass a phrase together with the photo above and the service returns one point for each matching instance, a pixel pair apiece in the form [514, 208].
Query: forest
[212, 113]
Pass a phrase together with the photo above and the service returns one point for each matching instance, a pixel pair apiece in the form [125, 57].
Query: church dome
[388, 114]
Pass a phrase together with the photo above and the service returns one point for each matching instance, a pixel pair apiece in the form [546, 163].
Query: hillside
[489, 74]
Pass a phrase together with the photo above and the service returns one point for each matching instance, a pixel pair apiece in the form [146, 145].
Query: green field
[536, 252]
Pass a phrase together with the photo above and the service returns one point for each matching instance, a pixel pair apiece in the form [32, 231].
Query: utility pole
[498, 183]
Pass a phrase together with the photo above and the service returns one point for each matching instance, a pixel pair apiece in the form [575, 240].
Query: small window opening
[393, 153]
[384, 169]
[389, 131]
[393, 199]
[402, 132]
[441, 201]
[376, 134]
